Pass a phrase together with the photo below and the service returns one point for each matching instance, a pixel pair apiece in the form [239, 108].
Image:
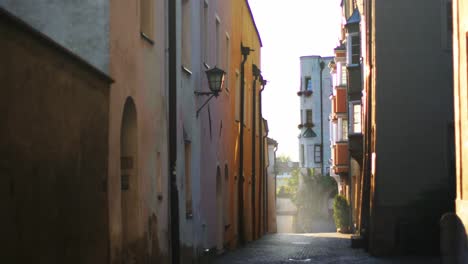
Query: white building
[315, 108]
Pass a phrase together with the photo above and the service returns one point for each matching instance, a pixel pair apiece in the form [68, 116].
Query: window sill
[186, 70]
[146, 38]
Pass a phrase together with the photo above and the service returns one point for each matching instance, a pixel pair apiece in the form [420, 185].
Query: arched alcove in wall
[129, 180]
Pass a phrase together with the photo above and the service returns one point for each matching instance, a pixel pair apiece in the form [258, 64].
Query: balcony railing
[340, 157]
[306, 125]
[306, 93]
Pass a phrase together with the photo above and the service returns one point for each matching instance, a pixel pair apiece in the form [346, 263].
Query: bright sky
[290, 29]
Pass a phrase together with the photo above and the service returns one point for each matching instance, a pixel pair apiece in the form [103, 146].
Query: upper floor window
[318, 153]
[343, 76]
[205, 32]
[227, 62]
[186, 34]
[355, 115]
[147, 19]
[309, 116]
[308, 84]
[353, 49]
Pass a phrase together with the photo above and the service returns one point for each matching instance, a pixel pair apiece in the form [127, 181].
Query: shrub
[341, 211]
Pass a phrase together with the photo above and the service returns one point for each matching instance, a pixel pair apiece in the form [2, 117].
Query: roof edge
[5, 14]
[253, 21]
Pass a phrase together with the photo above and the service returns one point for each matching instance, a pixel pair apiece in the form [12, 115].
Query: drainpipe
[240, 191]
[256, 74]
[322, 65]
[262, 156]
[172, 97]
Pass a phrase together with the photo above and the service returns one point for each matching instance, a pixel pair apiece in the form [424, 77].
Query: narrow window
[217, 44]
[147, 19]
[310, 155]
[344, 80]
[302, 155]
[205, 32]
[318, 153]
[357, 118]
[246, 103]
[188, 180]
[227, 62]
[344, 126]
[309, 116]
[355, 49]
[237, 103]
[186, 34]
[308, 84]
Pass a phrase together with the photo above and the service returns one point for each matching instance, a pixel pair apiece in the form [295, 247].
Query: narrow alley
[308, 248]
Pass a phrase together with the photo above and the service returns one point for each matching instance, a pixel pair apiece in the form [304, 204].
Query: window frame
[147, 9]
[349, 49]
[317, 153]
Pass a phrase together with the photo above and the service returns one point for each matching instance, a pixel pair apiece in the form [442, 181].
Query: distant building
[272, 146]
[315, 89]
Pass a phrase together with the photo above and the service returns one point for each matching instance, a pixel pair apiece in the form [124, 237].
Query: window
[309, 116]
[308, 84]
[147, 19]
[246, 103]
[237, 113]
[302, 155]
[310, 155]
[217, 40]
[227, 62]
[354, 49]
[355, 115]
[344, 127]
[205, 32]
[186, 34]
[344, 79]
[318, 153]
[188, 180]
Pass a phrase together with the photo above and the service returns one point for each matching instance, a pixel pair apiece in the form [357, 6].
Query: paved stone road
[321, 248]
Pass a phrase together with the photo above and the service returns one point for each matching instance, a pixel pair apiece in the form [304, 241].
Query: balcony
[356, 146]
[354, 82]
[339, 102]
[340, 158]
[305, 125]
[306, 93]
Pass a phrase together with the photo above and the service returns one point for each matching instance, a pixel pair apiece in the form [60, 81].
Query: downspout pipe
[172, 108]
[240, 191]
[263, 82]
[322, 66]
[256, 74]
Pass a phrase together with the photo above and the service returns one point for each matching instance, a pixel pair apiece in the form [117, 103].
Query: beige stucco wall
[137, 67]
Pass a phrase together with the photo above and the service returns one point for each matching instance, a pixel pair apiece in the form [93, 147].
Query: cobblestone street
[308, 248]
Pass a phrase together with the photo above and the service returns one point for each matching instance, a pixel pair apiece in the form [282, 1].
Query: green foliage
[283, 158]
[341, 210]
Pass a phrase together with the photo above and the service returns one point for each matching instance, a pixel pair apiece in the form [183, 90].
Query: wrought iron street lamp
[215, 78]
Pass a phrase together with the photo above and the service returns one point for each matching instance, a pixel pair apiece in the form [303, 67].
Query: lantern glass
[215, 79]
